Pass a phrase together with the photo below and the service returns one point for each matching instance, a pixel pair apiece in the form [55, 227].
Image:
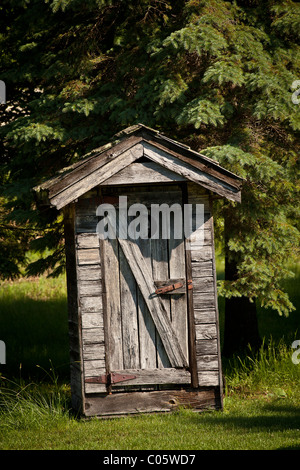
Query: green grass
[34, 326]
[261, 405]
[266, 423]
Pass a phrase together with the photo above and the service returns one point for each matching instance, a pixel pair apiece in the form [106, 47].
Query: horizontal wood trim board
[207, 315]
[95, 388]
[206, 347]
[90, 288]
[92, 368]
[206, 331]
[191, 173]
[131, 190]
[208, 378]
[118, 404]
[93, 351]
[143, 173]
[88, 256]
[87, 225]
[204, 300]
[207, 362]
[202, 269]
[92, 319]
[91, 304]
[204, 253]
[93, 335]
[87, 240]
[205, 284]
[89, 273]
[87, 237]
[155, 376]
[143, 377]
[87, 204]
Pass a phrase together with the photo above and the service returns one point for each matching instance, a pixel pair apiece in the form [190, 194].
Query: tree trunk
[241, 329]
[241, 325]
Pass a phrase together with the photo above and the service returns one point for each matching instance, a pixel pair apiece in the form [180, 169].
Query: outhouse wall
[86, 302]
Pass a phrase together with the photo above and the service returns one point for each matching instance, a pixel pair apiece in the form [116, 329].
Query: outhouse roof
[128, 147]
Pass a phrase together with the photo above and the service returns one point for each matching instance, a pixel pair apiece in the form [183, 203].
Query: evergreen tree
[216, 75]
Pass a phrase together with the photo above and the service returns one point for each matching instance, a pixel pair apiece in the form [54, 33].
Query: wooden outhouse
[143, 313]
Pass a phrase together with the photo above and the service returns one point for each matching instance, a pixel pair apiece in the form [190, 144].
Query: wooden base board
[120, 404]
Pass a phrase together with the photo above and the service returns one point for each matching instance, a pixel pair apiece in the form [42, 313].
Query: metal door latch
[172, 286]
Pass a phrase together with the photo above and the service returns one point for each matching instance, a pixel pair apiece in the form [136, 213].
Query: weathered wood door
[147, 332]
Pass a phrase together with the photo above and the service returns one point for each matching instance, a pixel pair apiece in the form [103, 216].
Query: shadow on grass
[35, 333]
[274, 417]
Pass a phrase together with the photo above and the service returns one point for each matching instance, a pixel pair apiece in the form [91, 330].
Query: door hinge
[109, 379]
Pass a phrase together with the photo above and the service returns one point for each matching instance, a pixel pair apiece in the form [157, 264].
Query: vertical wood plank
[160, 271]
[110, 262]
[216, 302]
[128, 291]
[178, 302]
[147, 330]
[76, 366]
[190, 304]
[106, 319]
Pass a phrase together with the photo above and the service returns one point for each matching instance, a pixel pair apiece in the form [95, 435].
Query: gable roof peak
[127, 147]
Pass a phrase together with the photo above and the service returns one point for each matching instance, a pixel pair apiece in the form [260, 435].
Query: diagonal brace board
[156, 308]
